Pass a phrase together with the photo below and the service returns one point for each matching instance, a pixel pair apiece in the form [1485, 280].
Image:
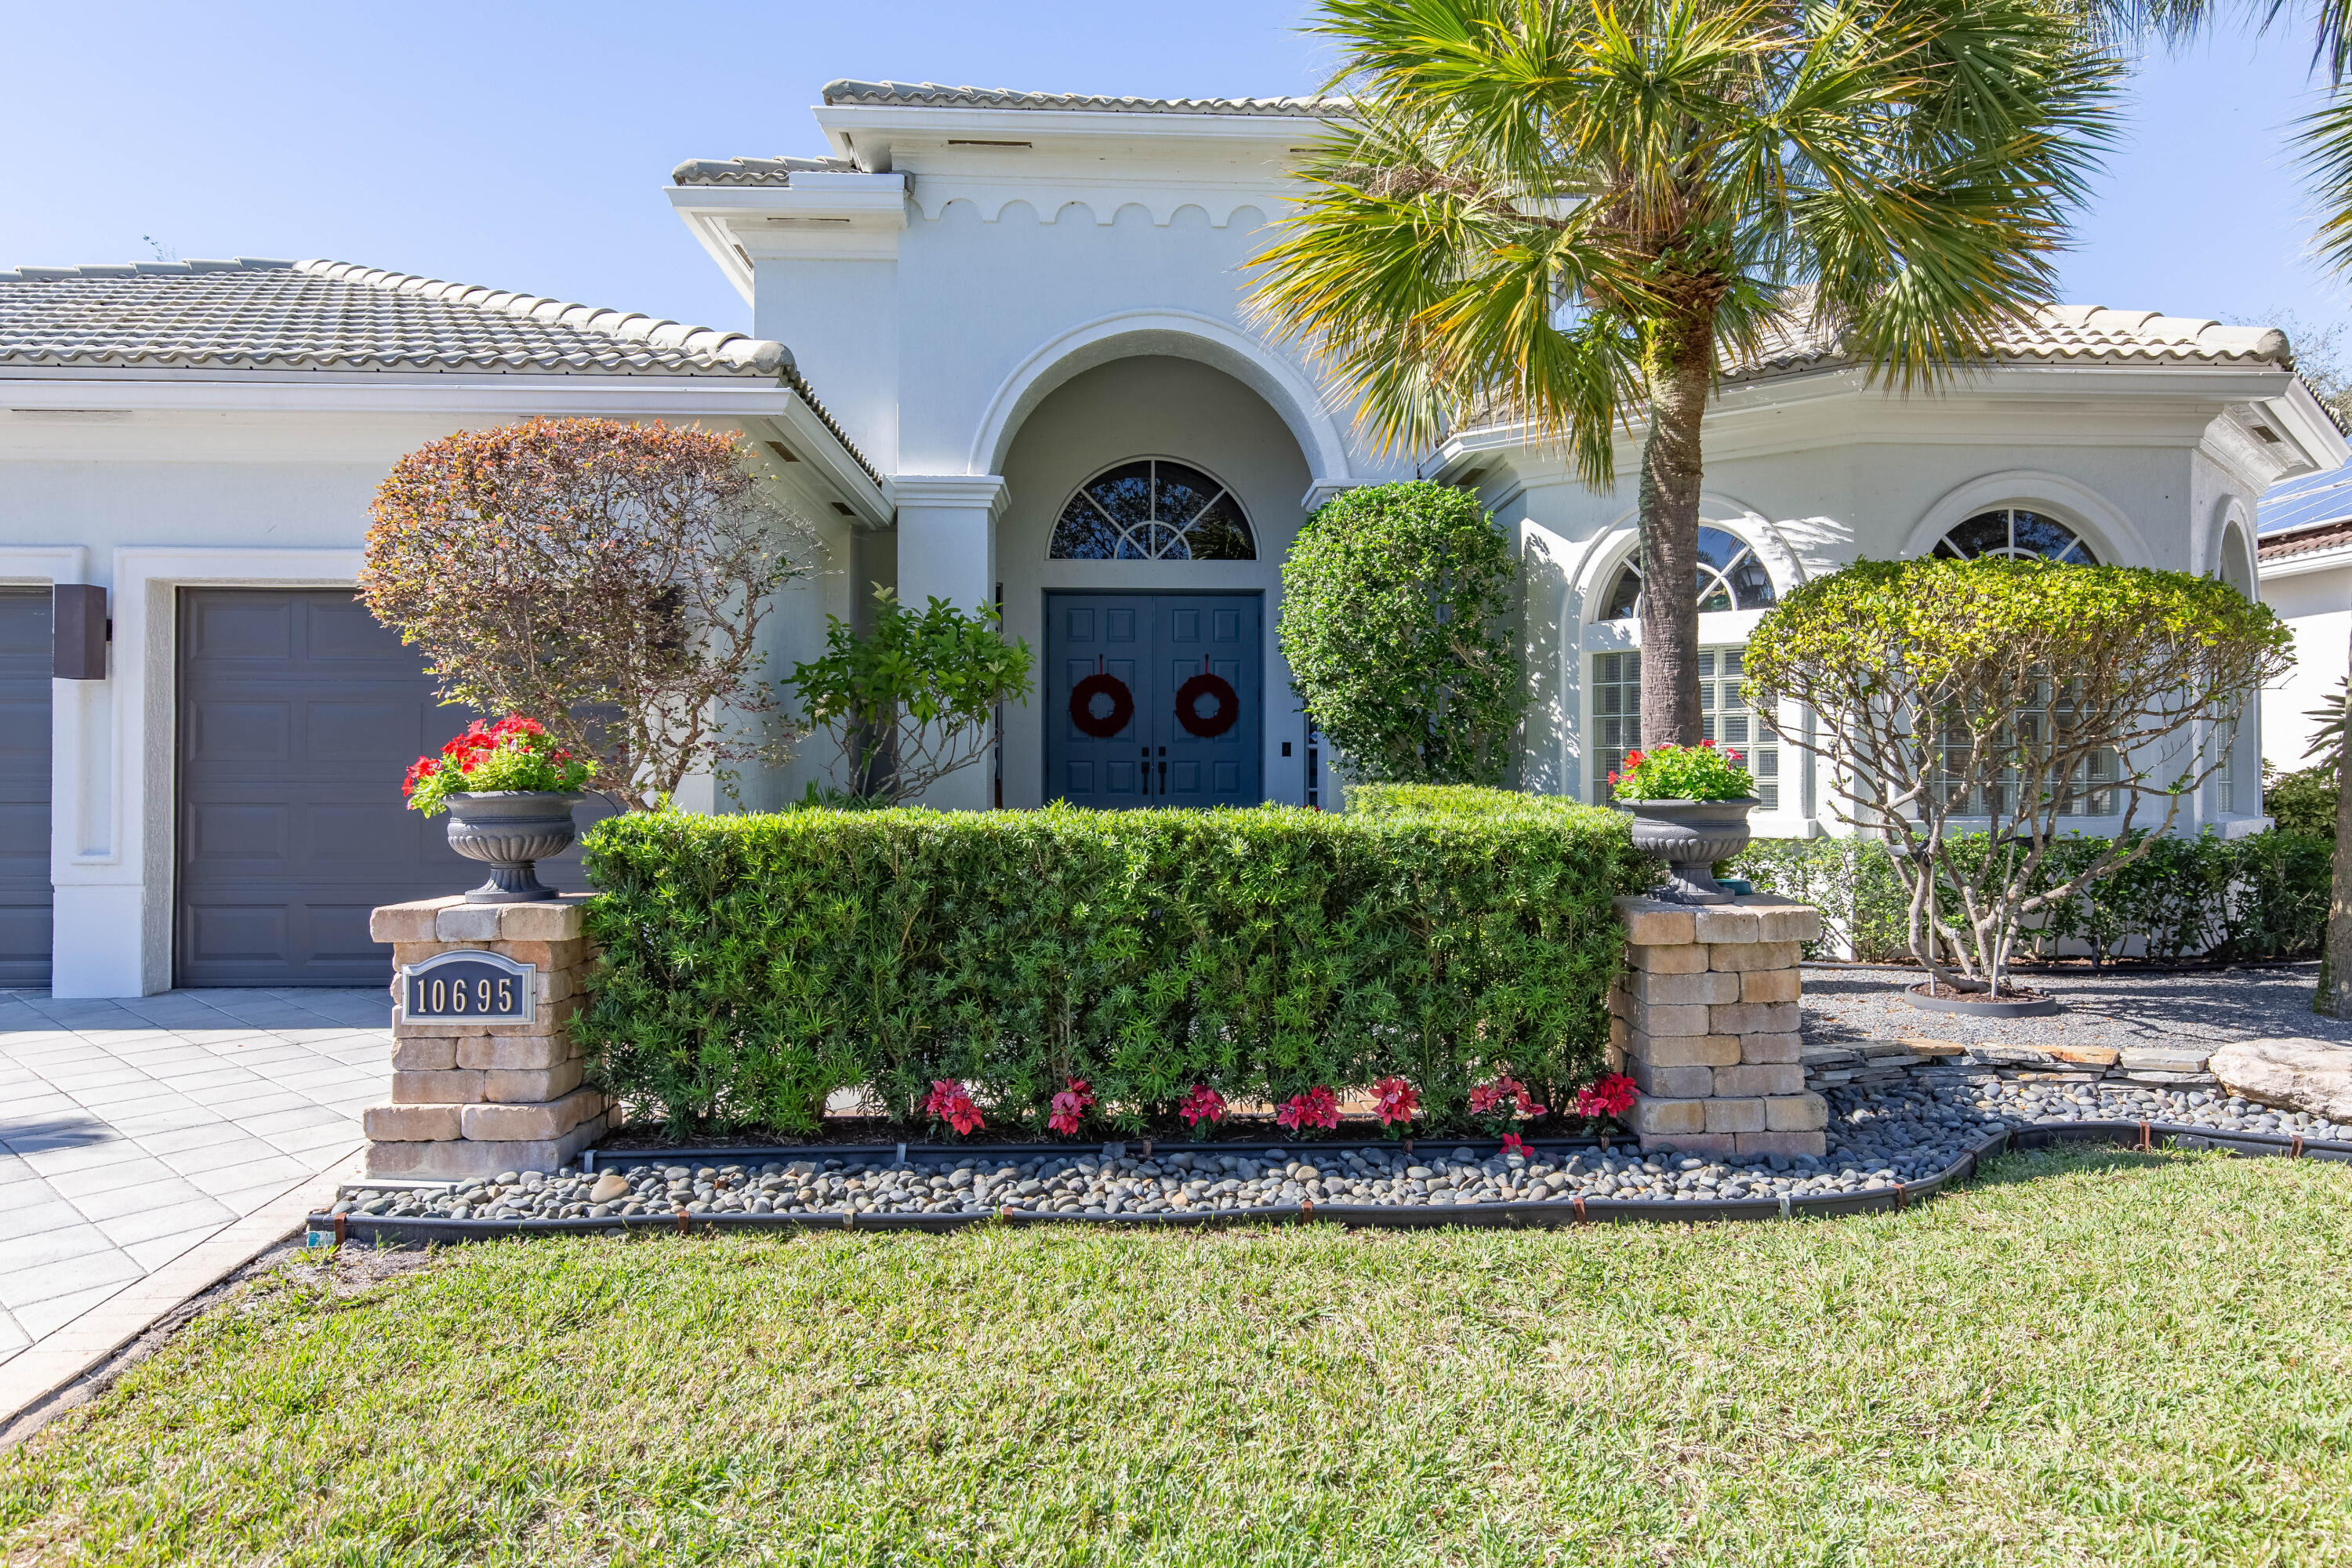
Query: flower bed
[753, 966]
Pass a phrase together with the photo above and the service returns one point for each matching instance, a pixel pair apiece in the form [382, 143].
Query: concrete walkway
[135, 1132]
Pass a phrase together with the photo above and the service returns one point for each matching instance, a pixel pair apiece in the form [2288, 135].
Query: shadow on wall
[1545, 766]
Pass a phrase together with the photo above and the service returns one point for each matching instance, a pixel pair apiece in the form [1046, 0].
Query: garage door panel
[25, 896]
[286, 845]
[372, 734]
[242, 737]
[236, 626]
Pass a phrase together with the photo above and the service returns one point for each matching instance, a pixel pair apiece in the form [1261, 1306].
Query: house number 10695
[481, 987]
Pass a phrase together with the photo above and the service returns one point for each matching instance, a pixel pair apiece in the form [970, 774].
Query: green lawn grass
[2086, 1358]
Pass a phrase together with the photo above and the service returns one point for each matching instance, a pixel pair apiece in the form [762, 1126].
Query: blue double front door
[1155, 698]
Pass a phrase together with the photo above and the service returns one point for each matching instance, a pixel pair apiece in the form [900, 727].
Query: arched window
[2015, 533]
[1152, 510]
[1730, 577]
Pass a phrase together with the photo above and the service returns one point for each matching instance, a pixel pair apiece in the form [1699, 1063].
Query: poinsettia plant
[1202, 1110]
[1396, 1103]
[1503, 1103]
[1704, 772]
[953, 1103]
[1607, 1098]
[1318, 1107]
[1070, 1108]
[515, 753]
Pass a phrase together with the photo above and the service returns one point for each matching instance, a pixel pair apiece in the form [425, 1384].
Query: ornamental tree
[1952, 699]
[607, 580]
[1394, 600]
[913, 700]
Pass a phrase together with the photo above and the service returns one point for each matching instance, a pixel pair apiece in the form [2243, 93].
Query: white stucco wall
[2317, 605]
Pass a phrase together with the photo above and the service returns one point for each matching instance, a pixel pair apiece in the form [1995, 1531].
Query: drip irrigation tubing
[2146, 1136]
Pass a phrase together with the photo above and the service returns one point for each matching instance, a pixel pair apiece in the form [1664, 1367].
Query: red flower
[1202, 1104]
[1707, 742]
[1394, 1099]
[420, 769]
[1070, 1108]
[1612, 1096]
[953, 1103]
[1633, 759]
[1512, 1144]
[1318, 1107]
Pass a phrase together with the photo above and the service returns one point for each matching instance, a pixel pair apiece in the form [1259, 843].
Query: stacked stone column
[474, 1100]
[1705, 1020]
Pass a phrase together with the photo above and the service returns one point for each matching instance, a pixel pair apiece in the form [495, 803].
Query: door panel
[25, 896]
[298, 715]
[1152, 645]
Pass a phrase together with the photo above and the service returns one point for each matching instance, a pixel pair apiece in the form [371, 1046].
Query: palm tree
[1569, 212]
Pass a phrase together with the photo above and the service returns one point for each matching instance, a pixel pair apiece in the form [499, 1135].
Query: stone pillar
[474, 1100]
[1705, 1019]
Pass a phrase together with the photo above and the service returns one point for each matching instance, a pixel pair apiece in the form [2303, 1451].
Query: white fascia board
[710, 232]
[2163, 406]
[809, 440]
[867, 132]
[2299, 417]
[155, 389]
[2328, 560]
[844, 217]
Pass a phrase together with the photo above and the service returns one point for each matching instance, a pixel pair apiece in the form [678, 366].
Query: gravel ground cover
[2086, 1358]
[2208, 1007]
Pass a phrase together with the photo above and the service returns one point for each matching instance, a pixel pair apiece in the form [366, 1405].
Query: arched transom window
[1152, 510]
[2020, 535]
[1730, 577]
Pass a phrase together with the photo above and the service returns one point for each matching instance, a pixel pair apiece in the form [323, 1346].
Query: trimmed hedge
[753, 966]
[2264, 896]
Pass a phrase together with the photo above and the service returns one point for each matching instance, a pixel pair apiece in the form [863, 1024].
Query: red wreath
[1082, 705]
[1229, 705]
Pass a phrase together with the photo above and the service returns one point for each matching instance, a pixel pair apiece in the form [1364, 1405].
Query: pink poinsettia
[1506, 1097]
[1070, 1108]
[1202, 1105]
[953, 1103]
[1395, 1100]
[1318, 1107]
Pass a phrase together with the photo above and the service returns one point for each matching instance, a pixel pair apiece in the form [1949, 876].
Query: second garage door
[298, 715]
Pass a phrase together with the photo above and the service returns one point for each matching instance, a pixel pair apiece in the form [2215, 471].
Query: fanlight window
[1152, 510]
[2016, 533]
[1730, 577]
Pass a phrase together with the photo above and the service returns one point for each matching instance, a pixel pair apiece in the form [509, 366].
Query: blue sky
[525, 146]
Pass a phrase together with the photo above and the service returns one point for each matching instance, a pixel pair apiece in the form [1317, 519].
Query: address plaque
[470, 986]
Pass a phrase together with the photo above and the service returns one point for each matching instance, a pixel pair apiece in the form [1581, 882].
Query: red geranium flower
[1394, 1099]
[1612, 1096]
[1070, 1108]
[1512, 1144]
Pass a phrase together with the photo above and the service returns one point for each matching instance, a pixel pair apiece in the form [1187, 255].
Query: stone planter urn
[1690, 836]
[509, 830]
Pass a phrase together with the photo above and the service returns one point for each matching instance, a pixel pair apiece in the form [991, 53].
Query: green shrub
[753, 966]
[1394, 601]
[2303, 801]
[2264, 896]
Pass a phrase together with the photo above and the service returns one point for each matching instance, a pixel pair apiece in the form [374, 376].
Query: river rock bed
[1878, 1138]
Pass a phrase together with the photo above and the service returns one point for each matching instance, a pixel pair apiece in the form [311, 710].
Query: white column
[947, 549]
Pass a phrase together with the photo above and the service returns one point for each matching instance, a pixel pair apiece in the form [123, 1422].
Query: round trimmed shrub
[1394, 606]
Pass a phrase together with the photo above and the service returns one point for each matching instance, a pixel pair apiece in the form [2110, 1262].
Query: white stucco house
[2303, 557]
[1001, 351]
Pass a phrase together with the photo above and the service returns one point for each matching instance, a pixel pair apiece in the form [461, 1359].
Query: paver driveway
[131, 1131]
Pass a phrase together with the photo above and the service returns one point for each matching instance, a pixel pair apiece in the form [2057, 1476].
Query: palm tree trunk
[2334, 997]
[1681, 374]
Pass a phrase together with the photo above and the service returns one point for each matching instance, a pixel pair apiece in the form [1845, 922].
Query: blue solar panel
[2306, 499]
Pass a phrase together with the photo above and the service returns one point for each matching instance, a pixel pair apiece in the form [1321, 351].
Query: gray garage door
[298, 715]
[23, 787]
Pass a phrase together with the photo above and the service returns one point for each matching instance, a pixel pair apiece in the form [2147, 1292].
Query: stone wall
[470, 1100]
[1705, 1020]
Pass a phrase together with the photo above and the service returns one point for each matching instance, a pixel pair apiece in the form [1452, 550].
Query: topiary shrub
[751, 965]
[1393, 604]
[1952, 697]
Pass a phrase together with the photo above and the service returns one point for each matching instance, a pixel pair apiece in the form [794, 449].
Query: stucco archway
[1181, 334]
